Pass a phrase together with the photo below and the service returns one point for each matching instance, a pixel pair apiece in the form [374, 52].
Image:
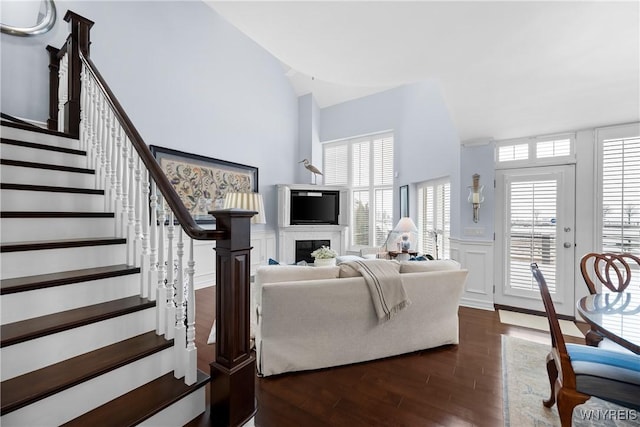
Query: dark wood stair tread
[36, 385]
[60, 244]
[24, 330]
[49, 188]
[136, 406]
[42, 146]
[41, 281]
[14, 122]
[48, 166]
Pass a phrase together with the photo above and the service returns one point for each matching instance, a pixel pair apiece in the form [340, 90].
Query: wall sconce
[475, 196]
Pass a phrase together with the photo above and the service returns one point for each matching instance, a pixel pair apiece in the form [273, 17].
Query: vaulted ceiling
[506, 68]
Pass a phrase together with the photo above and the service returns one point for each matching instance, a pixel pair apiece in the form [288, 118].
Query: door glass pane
[532, 232]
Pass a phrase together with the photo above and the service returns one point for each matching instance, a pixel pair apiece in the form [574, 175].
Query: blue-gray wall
[187, 78]
[426, 142]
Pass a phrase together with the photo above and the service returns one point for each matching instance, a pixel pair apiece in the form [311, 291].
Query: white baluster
[63, 87]
[144, 261]
[83, 108]
[180, 335]
[153, 243]
[117, 209]
[124, 216]
[161, 300]
[192, 352]
[108, 152]
[171, 306]
[137, 208]
[91, 159]
[131, 220]
[114, 160]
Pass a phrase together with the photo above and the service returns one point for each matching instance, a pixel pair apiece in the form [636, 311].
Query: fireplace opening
[305, 247]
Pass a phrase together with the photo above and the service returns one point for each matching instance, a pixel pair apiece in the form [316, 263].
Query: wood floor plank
[455, 385]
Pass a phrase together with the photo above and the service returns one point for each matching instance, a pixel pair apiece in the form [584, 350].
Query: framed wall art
[202, 182]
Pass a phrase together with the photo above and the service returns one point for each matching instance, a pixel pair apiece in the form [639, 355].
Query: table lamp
[249, 202]
[405, 227]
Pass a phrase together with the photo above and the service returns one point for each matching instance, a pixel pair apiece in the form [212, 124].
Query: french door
[535, 215]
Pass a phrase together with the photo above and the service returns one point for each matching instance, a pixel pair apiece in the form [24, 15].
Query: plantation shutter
[335, 161]
[434, 218]
[621, 195]
[532, 232]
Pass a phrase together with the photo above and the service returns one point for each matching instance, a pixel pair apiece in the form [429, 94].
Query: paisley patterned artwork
[202, 183]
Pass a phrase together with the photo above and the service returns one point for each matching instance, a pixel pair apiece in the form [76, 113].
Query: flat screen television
[314, 207]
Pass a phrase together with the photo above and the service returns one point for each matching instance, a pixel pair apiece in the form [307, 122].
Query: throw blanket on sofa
[385, 285]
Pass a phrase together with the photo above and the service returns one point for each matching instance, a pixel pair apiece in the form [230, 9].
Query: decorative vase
[324, 262]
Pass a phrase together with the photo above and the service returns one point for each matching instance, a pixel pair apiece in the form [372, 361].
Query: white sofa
[311, 318]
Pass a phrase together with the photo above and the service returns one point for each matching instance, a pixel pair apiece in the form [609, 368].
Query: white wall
[187, 79]
[426, 142]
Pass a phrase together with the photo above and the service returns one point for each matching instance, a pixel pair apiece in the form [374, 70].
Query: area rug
[537, 322]
[525, 384]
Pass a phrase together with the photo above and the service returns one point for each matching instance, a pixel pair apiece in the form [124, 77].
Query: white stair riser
[24, 200]
[39, 138]
[35, 176]
[71, 403]
[27, 154]
[30, 263]
[33, 229]
[40, 302]
[35, 354]
[181, 412]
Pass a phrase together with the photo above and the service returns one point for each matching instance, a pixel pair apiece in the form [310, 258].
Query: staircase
[78, 341]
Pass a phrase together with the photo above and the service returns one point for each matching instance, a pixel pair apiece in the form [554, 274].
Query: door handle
[567, 245]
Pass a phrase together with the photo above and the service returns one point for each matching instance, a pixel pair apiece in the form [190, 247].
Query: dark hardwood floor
[457, 385]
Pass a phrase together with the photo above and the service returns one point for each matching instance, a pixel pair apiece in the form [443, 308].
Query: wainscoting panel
[477, 257]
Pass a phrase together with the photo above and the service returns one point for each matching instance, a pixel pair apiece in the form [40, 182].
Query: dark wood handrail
[183, 216]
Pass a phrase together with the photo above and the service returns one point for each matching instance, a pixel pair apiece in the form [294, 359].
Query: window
[553, 149]
[434, 224]
[620, 192]
[365, 166]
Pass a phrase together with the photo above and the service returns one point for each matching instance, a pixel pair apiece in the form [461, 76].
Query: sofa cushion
[426, 266]
[350, 269]
[293, 273]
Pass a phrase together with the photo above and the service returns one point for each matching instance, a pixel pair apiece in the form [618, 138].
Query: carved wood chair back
[611, 270]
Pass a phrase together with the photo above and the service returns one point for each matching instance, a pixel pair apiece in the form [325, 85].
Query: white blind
[383, 161]
[360, 161]
[384, 214]
[532, 232]
[434, 218]
[508, 153]
[555, 148]
[621, 195]
[335, 161]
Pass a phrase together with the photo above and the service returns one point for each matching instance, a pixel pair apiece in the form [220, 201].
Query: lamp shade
[249, 202]
[406, 225]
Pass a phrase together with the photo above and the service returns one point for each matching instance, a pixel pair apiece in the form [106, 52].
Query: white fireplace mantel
[287, 236]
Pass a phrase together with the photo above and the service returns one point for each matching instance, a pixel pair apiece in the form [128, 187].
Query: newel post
[78, 41]
[234, 370]
[54, 68]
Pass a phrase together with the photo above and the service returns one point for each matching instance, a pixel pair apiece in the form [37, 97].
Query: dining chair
[577, 372]
[611, 270]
